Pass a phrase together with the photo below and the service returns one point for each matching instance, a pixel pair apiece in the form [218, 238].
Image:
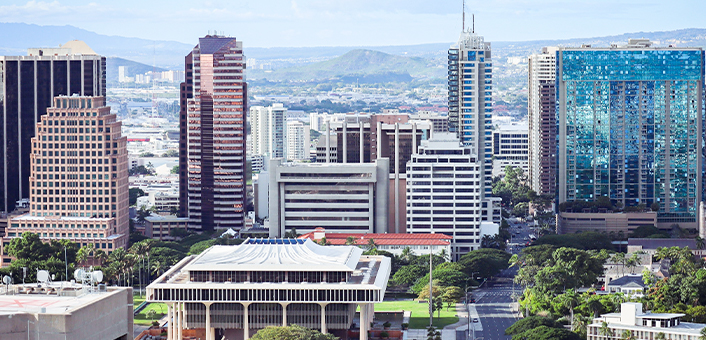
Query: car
[473, 300]
[475, 320]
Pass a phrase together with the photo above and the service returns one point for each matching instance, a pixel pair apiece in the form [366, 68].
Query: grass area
[420, 313]
[142, 319]
[137, 300]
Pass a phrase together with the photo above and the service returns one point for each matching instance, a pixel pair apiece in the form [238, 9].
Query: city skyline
[282, 23]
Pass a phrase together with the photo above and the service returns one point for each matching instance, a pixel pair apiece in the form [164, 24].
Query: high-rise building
[444, 195]
[27, 86]
[79, 178]
[630, 127]
[510, 144]
[267, 126]
[214, 99]
[297, 140]
[541, 109]
[471, 99]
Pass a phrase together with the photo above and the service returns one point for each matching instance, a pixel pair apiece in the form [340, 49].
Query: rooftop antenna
[474, 23]
[463, 26]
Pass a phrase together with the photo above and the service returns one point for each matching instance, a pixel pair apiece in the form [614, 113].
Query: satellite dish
[97, 276]
[7, 280]
[79, 274]
[43, 276]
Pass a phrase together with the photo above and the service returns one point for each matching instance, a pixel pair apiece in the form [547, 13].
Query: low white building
[643, 325]
[233, 291]
[510, 148]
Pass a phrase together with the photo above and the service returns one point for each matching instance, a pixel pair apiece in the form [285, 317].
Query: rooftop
[381, 239]
[277, 254]
[654, 243]
[628, 279]
[31, 299]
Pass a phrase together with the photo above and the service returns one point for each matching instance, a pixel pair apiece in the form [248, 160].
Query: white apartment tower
[268, 132]
[297, 140]
[471, 99]
[444, 194]
[541, 109]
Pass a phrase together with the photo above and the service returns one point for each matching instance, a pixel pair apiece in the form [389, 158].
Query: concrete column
[397, 178]
[364, 321]
[328, 142]
[323, 318]
[209, 332]
[170, 322]
[345, 141]
[246, 323]
[362, 137]
[284, 314]
[414, 138]
[379, 140]
[180, 322]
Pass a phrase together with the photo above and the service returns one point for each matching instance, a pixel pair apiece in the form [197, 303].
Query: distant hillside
[17, 37]
[133, 68]
[357, 63]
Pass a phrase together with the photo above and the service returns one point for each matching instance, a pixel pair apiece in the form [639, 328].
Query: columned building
[541, 113]
[234, 291]
[471, 100]
[79, 179]
[28, 85]
[630, 127]
[444, 194]
[214, 147]
[642, 325]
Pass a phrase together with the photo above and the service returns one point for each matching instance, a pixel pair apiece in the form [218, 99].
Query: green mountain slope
[358, 63]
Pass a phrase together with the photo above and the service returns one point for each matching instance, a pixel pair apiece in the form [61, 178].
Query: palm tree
[444, 255]
[627, 335]
[660, 336]
[605, 331]
[100, 255]
[406, 253]
[703, 334]
[595, 306]
[570, 299]
[350, 241]
[699, 243]
[371, 244]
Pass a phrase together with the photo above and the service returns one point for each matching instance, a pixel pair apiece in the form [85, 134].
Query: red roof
[383, 239]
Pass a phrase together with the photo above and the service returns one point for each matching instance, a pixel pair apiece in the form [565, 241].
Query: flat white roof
[53, 304]
[277, 255]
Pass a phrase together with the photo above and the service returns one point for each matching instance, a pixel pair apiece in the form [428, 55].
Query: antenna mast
[463, 26]
[474, 23]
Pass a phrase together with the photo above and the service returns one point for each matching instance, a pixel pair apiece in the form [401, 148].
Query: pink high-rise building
[79, 179]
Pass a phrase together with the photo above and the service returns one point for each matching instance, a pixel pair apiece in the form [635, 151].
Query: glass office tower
[630, 127]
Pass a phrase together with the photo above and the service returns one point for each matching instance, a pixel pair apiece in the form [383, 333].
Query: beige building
[643, 325]
[61, 310]
[160, 227]
[570, 222]
[79, 179]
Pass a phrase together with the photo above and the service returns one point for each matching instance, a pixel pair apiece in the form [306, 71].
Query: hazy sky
[271, 23]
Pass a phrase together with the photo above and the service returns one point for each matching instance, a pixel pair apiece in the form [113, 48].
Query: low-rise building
[631, 285]
[350, 198]
[649, 245]
[233, 291]
[510, 148]
[643, 325]
[63, 310]
[160, 227]
[606, 222]
[394, 243]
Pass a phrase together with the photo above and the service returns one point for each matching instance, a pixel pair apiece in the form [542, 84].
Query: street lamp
[66, 263]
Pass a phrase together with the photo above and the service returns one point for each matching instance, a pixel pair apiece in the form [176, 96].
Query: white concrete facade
[444, 193]
[351, 198]
[267, 130]
[297, 140]
[510, 148]
[643, 325]
[541, 113]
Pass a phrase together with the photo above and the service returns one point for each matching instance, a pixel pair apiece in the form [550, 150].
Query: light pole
[66, 263]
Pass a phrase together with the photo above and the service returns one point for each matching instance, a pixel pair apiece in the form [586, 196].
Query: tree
[171, 153]
[605, 330]
[627, 335]
[291, 234]
[699, 242]
[30, 247]
[146, 154]
[293, 332]
[529, 323]
[545, 333]
[134, 193]
[703, 334]
[437, 306]
[408, 275]
[140, 170]
[151, 314]
[350, 241]
[453, 295]
[443, 254]
[660, 336]
[436, 291]
[174, 170]
[371, 244]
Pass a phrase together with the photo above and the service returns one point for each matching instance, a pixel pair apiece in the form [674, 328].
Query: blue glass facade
[630, 128]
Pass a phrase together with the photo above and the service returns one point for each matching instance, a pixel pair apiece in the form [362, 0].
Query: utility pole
[66, 263]
[431, 297]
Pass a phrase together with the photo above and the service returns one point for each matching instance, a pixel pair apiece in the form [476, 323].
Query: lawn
[141, 318]
[420, 313]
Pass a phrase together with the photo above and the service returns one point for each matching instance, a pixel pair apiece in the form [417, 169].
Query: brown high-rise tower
[212, 150]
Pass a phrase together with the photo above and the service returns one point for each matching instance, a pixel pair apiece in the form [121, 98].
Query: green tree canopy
[293, 332]
[529, 323]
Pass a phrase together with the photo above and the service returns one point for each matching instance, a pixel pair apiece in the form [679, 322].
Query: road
[493, 299]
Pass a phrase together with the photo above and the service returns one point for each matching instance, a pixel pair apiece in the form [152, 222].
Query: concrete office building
[643, 325]
[79, 179]
[350, 198]
[630, 127]
[267, 126]
[440, 122]
[213, 120]
[541, 113]
[234, 291]
[471, 99]
[444, 194]
[297, 141]
[510, 148]
[326, 149]
[62, 310]
[28, 85]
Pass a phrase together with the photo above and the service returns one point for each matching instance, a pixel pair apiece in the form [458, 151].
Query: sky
[292, 23]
